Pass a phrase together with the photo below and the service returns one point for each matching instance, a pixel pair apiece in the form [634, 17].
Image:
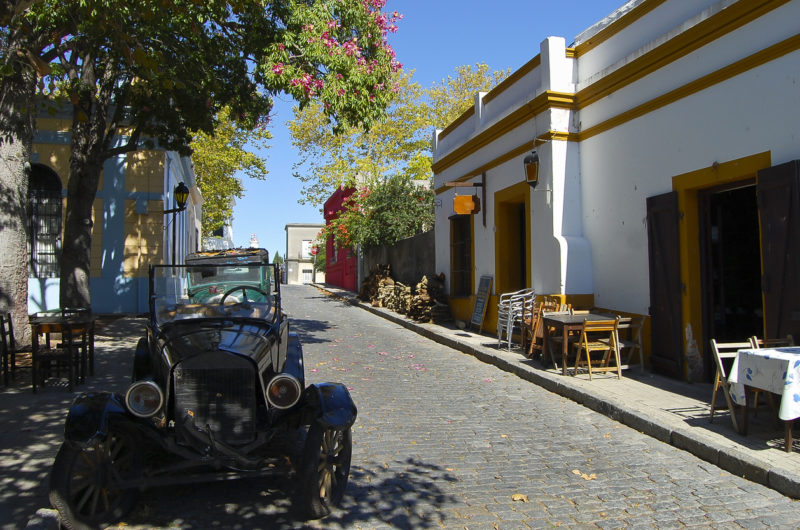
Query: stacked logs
[426, 303]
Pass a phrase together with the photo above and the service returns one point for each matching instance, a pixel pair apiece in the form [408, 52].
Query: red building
[341, 267]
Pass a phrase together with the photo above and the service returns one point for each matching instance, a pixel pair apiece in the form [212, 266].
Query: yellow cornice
[513, 78]
[467, 114]
[543, 101]
[716, 26]
[710, 29]
[732, 70]
[617, 26]
[515, 152]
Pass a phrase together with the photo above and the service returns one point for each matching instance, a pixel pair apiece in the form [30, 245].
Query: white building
[300, 254]
[667, 139]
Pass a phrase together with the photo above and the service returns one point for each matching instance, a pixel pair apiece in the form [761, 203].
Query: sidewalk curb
[731, 459]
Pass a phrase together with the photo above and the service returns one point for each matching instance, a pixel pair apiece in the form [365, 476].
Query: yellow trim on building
[709, 30]
[546, 100]
[713, 28]
[513, 78]
[467, 114]
[732, 70]
[687, 186]
[618, 25]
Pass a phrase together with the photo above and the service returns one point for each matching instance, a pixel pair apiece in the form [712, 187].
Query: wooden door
[779, 212]
[665, 284]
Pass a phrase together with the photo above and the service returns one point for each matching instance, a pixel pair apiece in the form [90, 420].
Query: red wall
[344, 271]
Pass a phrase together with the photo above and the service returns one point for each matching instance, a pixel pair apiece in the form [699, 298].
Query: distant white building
[299, 258]
[254, 241]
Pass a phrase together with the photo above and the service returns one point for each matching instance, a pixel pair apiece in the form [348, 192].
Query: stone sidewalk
[672, 411]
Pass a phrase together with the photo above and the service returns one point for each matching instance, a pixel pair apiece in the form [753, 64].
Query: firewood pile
[427, 302]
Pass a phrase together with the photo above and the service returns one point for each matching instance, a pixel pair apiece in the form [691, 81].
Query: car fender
[141, 361]
[332, 404]
[294, 358]
[90, 414]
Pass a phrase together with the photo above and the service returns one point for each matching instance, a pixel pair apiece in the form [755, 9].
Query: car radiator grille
[217, 392]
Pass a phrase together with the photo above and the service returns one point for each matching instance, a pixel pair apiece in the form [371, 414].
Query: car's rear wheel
[325, 469]
[84, 481]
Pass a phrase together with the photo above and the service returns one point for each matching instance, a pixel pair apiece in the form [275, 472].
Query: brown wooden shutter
[665, 284]
[779, 211]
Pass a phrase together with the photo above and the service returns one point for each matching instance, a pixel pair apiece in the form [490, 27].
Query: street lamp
[181, 194]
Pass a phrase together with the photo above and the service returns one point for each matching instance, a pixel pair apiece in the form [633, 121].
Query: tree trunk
[85, 166]
[16, 142]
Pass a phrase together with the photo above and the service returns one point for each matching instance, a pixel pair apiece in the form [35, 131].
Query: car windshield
[199, 290]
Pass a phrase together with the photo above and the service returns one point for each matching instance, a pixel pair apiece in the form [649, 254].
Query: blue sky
[434, 38]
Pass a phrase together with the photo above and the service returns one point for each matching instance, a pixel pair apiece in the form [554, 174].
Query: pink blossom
[277, 69]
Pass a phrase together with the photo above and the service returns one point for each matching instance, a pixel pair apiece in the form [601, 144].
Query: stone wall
[410, 259]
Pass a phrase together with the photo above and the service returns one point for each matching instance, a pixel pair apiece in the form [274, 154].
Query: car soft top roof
[229, 256]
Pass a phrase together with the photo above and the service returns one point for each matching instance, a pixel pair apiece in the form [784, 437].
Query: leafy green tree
[277, 259]
[448, 99]
[156, 70]
[321, 258]
[383, 162]
[218, 157]
[361, 157]
[382, 215]
[398, 145]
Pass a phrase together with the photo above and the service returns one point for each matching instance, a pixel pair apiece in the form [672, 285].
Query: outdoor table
[775, 370]
[68, 325]
[565, 323]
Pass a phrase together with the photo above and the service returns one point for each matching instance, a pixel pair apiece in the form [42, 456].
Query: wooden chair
[9, 345]
[724, 351]
[633, 341]
[557, 341]
[590, 344]
[69, 355]
[757, 343]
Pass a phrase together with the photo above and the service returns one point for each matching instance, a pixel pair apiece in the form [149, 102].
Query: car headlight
[144, 399]
[283, 391]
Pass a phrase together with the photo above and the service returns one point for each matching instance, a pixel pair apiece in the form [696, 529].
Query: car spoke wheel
[84, 481]
[326, 468]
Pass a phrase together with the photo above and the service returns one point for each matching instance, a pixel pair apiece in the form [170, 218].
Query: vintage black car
[218, 390]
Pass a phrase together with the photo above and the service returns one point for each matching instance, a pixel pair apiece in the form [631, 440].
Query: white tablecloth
[776, 370]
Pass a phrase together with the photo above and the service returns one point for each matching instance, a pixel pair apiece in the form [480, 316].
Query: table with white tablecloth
[775, 370]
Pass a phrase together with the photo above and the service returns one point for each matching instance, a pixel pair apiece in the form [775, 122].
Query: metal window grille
[44, 245]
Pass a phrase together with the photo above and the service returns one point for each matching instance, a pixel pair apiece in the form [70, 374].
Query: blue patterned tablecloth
[776, 370]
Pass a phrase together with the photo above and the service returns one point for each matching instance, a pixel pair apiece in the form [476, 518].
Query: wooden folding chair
[551, 307]
[633, 342]
[722, 351]
[590, 344]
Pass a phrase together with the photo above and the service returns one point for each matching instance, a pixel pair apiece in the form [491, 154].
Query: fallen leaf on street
[519, 497]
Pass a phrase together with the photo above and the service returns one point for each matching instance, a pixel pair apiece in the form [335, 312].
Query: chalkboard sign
[484, 288]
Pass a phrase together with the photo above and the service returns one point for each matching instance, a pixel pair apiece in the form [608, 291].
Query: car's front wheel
[325, 469]
[84, 482]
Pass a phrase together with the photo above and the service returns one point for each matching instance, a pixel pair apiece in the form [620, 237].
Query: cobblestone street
[444, 440]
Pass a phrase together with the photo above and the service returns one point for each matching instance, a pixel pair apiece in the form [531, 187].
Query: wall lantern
[531, 164]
